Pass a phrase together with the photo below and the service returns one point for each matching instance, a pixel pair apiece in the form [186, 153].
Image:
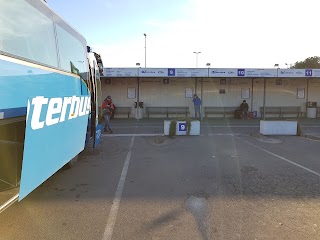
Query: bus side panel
[52, 138]
[18, 82]
[46, 150]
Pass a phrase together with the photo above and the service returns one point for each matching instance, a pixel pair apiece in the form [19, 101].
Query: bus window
[71, 51]
[24, 30]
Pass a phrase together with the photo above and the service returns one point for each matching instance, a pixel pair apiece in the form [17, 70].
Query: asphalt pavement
[228, 183]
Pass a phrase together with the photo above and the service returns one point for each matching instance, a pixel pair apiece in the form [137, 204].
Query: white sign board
[120, 72]
[242, 72]
[245, 93]
[223, 72]
[153, 72]
[189, 93]
[188, 72]
[173, 72]
[198, 72]
[182, 72]
[316, 72]
[261, 72]
[131, 93]
[211, 72]
[291, 73]
[300, 93]
[299, 73]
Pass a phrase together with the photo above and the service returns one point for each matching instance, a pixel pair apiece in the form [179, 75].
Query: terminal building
[168, 92]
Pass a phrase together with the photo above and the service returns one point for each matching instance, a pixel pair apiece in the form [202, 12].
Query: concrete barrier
[182, 128]
[278, 127]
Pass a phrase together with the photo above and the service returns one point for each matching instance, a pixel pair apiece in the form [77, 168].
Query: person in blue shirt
[197, 105]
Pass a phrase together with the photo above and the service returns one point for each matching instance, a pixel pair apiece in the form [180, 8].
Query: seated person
[244, 107]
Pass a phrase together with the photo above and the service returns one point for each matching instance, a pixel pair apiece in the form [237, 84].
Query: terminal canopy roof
[211, 72]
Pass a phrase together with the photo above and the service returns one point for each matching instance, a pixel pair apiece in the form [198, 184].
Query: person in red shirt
[112, 106]
[107, 109]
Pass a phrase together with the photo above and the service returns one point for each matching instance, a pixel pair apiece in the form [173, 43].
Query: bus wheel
[72, 162]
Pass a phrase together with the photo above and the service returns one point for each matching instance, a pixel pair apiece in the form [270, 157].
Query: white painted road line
[280, 157]
[132, 126]
[203, 125]
[133, 135]
[234, 126]
[161, 134]
[224, 134]
[117, 198]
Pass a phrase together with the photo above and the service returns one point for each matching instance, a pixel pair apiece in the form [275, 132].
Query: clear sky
[228, 33]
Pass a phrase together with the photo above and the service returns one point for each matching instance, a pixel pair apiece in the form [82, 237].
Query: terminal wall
[283, 93]
[153, 92]
[224, 92]
[229, 92]
[314, 91]
[117, 88]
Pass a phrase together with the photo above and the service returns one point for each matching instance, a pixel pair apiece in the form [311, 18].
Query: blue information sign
[182, 127]
[308, 72]
[241, 72]
[171, 72]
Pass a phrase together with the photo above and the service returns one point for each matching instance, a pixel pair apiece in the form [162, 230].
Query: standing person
[107, 111]
[244, 107]
[197, 105]
[112, 106]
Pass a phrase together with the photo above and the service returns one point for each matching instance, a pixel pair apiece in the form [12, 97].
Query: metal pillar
[145, 50]
[307, 97]
[252, 94]
[264, 98]
[138, 99]
[201, 111]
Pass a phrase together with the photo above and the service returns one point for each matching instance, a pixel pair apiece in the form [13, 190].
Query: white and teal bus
[49, 96]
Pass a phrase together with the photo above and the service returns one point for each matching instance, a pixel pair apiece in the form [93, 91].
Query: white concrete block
[166, 127]
[278, 127]
[182, 128]
[195, 128]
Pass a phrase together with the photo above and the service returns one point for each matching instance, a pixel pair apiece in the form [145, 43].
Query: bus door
[95, 129]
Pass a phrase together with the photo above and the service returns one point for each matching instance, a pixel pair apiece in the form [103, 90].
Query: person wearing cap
[197, 105]
[107, 112]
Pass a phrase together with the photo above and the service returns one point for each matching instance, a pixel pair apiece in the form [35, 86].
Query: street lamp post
[289, 65]
[145, 50]
[197, 58]
[138, 92]
[208, 65]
